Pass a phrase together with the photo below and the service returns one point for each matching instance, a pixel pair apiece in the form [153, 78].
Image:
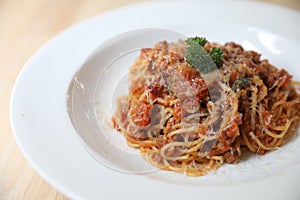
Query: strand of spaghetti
[278, 114]
[274, 85]
[162, 113]
[140, 142]
[196, 173]
[202, 167]
[129, 118]
[294, 123]
[195, 169]
[295, 118]
[165, 115]
[211, 162]
[169, 167]
[172, 145]
[280, 135]
[196, 115]
[215, 115]
[181, 158]
[274, 142]
[195, 148]
[146, 149]
[262, 92]
[247, 142]
[279, 128]
[294, 101]
[169, 110]
[276, 91]
[149, 134]
[162, 101]
[200, 171]
[167, 103]
[186, 124]
[278, 103]
[283, 128]
[169, 127]
[154, 148]
[176, 168]
[168, 116]
[192, 129]
[202, 154]
[182, 130]
[133, 145]
[191, 158]
[166, 163]
[217, 158]
[258, 142]
[143, 97]
[185, 137]
[296, 82]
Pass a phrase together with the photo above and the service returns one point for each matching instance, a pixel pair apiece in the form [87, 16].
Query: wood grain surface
[25, 25]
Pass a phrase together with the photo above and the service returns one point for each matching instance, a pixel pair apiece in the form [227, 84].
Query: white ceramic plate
[45, 134]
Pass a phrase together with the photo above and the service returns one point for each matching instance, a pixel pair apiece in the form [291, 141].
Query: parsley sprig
[217, 56]
[200, 40]
[199, 58]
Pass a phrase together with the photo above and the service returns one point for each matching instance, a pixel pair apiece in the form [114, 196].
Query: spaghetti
[186, 122]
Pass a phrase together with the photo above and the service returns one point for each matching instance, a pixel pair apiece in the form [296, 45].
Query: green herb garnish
[241, 83]
[199, 58]
[217, 56]
[200, 40]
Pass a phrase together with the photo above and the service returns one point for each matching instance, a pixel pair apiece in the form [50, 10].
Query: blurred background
[25, 25]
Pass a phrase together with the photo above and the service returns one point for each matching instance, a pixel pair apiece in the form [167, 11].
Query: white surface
[48, 140]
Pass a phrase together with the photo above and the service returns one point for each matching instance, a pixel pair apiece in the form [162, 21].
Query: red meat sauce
[175, 76]
[175, 79]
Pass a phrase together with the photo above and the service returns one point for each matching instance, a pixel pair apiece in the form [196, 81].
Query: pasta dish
[194, 105]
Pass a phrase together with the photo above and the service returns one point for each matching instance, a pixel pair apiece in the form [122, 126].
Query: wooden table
[25, 25]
